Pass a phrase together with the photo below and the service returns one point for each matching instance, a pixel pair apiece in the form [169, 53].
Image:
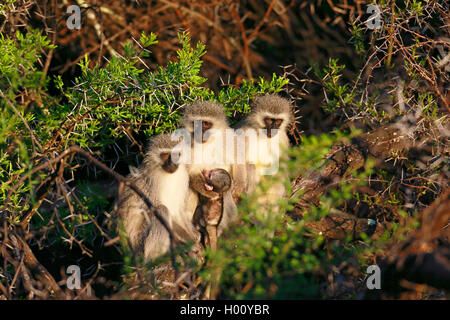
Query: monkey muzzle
[207, 174]
[169, 166]
[271, 132]
[272, 126]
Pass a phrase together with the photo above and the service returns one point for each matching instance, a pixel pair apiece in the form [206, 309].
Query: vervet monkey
[206, 122]
[269, 119]
[166, 184]
[217, 208]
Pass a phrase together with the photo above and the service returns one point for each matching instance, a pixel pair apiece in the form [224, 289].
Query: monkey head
[204, 116]
[163, 153]
[270, 112]
[217, 180]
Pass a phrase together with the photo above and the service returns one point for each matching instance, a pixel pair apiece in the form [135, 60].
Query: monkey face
[217, 180]
[272, 123]
[205, 126]
[167, 164]
[209, 186]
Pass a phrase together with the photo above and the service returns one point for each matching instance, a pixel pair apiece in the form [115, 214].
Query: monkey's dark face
[167, 164]
[205, 126]
[217, 180]
[272, 123]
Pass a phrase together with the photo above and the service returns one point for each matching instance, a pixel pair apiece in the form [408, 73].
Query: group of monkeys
[198, 200]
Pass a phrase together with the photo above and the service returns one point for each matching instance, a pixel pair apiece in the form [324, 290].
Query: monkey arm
[239, 175]
[252, 179]
[212, 211]
[131, 210]
[229, 212]
[157, 240]
[212, 235]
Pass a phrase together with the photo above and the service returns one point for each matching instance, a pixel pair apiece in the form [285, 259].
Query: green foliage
[6, 7]
[121, 94]
[275, 257]
[20, 77]
[104, 104]
[265, 256]
[341, 96]
[18, 62]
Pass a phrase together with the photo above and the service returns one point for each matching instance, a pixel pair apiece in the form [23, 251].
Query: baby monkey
[217, 208]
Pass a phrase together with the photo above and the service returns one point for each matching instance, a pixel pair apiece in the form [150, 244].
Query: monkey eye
[278, 121]
[164, 156]
[268, 121]
[206, 124]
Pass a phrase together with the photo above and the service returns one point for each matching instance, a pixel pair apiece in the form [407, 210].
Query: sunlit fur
[168, 192]
[217, 206]
[204, 111]
[215, 114]
[271, 106]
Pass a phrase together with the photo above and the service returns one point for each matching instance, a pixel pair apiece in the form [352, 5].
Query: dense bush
[374, 157]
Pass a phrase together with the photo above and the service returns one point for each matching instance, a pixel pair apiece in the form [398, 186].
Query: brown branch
[117, 176]
[245, 52]
[30, 260]
[425, 256]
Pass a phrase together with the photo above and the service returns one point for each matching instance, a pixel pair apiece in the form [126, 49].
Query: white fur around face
[173, 192]
[262, 150]
[211, 154]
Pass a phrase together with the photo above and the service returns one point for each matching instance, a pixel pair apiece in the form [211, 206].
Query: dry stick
[391, 36]
[434, 83]
[33, 263]
[93, 49]
[245, 52]
[255, 32]
[3, 290]
[193, 13]
[50, 54]
[219, 64]
[16, 275]
[117, 176]
[88, 285]
[5, 263]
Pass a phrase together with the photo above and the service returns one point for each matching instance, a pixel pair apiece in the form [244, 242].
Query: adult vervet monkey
[207, 124]
[166, 184]
[265, 130]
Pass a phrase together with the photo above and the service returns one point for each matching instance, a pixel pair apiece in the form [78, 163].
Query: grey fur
[246, 176]
[268, 103]
[201, 110]
[146, 233]
[213, 112]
